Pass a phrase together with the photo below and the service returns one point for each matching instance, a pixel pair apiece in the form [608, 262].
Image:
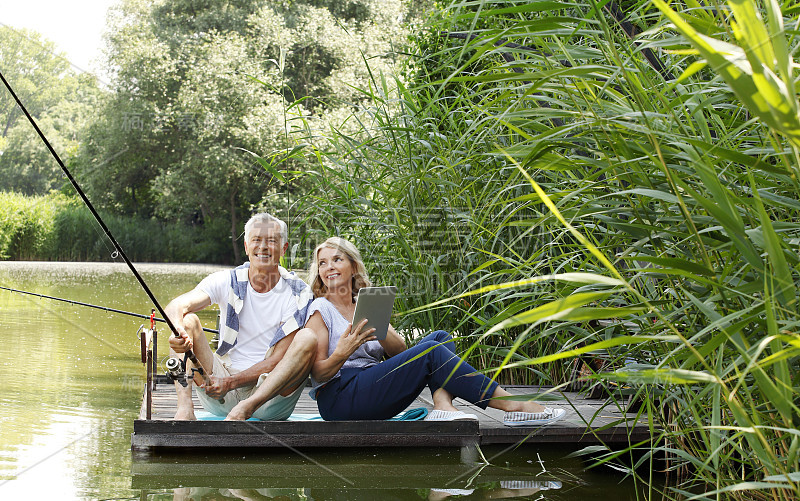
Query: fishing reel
[176, 370]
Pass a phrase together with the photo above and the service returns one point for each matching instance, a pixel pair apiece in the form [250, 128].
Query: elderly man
[264, 355]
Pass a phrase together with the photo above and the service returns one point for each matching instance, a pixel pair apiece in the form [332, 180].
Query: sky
[76, 27]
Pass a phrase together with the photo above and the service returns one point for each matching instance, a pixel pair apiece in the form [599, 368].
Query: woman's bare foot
[512, 405]
[530, 407]
[443, 401]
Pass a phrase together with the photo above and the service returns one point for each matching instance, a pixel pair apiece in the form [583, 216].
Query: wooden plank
[257, 434]
[292, 427]
[240, 441]
[143, 407]
[560, 434]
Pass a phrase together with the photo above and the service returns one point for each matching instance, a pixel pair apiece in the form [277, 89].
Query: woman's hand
[325, 367]
[352, 338]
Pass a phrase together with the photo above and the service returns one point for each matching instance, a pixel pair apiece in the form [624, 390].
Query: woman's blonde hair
[360, 278]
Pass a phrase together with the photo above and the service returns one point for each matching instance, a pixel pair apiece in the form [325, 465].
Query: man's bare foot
[239, 413]
[185, 415]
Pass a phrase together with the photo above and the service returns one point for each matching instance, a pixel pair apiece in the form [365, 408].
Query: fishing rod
[104, 308]
[189, 353]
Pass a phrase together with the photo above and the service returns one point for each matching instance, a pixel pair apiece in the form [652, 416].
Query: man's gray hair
[264, 217]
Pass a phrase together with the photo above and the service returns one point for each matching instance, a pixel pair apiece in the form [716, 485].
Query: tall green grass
[540, 188]
[59, 228]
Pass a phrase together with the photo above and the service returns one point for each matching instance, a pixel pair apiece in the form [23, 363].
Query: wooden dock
[588, 421]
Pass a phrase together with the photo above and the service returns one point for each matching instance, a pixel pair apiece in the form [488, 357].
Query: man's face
[264, 247]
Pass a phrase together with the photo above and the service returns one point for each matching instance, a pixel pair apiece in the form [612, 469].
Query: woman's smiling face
[335, 269]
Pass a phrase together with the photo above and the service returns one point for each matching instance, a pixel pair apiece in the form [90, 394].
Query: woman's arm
[394, 343]
[326, 367]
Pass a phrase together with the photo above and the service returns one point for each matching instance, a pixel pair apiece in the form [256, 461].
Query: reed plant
[561, 186]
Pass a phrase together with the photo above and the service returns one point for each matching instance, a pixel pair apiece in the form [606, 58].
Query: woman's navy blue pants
[388, 388]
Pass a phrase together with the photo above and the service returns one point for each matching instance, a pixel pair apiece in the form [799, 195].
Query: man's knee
[306, 341]
[192, 324]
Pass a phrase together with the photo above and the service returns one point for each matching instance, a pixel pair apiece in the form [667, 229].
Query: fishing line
[104, 308]
[189, 353]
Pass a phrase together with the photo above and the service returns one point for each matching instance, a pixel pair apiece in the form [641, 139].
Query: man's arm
[192, 301]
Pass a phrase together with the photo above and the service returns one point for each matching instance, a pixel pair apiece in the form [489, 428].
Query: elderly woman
[349, 379]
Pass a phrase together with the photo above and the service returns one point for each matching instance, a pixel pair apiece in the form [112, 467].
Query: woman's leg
[440, 395]
[366, 394]
[442, 399]
[384, 390]
[443, 339]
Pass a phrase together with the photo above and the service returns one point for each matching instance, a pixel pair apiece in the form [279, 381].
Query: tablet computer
[375, 304]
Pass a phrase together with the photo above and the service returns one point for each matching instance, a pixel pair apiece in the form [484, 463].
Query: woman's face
[335, 270]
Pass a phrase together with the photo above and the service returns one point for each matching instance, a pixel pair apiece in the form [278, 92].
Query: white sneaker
[437, 415]
[547, 416]
[455, 492]
[542, 485]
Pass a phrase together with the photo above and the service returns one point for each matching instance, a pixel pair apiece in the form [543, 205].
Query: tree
[184, 110]
[59, 100]
[197, 86]
[330, 47]
[35, 71]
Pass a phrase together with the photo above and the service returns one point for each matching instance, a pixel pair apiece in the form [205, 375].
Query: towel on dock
[417, 414]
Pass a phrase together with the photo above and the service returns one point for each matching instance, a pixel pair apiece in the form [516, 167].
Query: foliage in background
[567, 188]
[56, 227]
[196, 87]
[61, 101]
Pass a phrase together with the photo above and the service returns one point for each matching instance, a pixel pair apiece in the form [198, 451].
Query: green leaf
[672, 262]
[781, 273]
[663, 376]
[553, 310]
[598, 346]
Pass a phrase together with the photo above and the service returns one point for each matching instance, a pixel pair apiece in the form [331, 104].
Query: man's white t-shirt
[259, 319]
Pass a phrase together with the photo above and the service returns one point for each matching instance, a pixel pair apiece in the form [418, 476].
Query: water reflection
[538, 473]
[401, 474]
[72, 379]
[503, 490]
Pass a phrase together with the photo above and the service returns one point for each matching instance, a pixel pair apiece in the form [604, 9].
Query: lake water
[71, 387]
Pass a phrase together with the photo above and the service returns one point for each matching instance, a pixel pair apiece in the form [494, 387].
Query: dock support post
[470, 454]
[147, 339]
